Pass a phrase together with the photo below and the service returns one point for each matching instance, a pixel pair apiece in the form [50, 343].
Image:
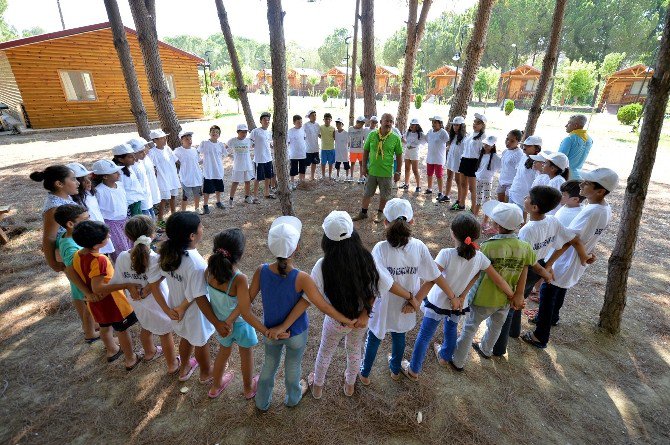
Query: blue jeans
[295, 348]
[425, 335]
[150, 213]
[372, 345]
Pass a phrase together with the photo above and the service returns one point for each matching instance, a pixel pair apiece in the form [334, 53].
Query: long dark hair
[228, 250]
[466, 226]
[80, 197]
[117, 160]
[139, 255]
[350, 276]
[480, 134]
[398, 232]
[529, 162]
[419, 131]
[482, 153]
[565, 173]
[459, 136]
[51, 175]
[178, 228]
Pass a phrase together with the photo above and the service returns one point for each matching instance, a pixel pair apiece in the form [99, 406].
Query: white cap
[374, 119]
[603, 176]
[481, 117]
[338, 225]
[436, 118]
[558, 159]
[490, 140]
[398, 208]
[505, 214]
[138, 144]
[458, 120]
[184, 133]
[339, 119]
[360, 119]
[533, 140]
[242, 127]
[122, 149]
[105, 167]
[414, 121]
[78, 169]
[155, 134]
[310, 112]
[284, 236]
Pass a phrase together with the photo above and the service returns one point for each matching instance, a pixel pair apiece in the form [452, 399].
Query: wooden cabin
[387, 80]
[73, 78]
[264, 77]
[442, 80]
[298, 78]
[518, 84]
[337, 75]
[626, 86]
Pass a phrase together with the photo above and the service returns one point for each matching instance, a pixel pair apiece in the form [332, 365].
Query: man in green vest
[381, 146]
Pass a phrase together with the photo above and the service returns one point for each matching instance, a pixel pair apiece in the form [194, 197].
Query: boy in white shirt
[139, 168]
[190, 174]
[166, 173]
[342, 150]
[357, 135]
[571, 202]
[243, 167]
[212, 152]
[297, 151]
[312, 138]
[261, 141]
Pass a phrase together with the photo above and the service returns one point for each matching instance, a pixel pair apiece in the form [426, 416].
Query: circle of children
[94, 218]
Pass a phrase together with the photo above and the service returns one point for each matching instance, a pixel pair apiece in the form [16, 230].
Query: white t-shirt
[407, 265]
[589, 224]
[412, 140]
[483, 173]
[566, 214]
[455, 153]
[241, 150]
[357, 139]
[458, 272]
[131, 185]
[187, 283]
[149, 313]
[472, 146]
[166, 169]
[510, 161]
[112, 202]
[341, 146]
[522, 182]
[95, 215]
[262, 141]
[150, 168]
[545, 235]
[189, 166]
[312, 135]
[437, 146]
[297, 145]
[212, 159]
[141, 173]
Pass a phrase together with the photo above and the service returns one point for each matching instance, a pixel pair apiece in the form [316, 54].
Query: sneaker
[405, 187]
[361, 180]
[272, 196]
[439, 195]
[417, 190]
[230, 203]
[219, 205]
[360, 216]
[443, 198]
[205, 210]
[428, 192]
[248, 199]
[457, 207]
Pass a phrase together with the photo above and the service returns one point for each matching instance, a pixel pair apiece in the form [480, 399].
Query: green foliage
[313, 80]
[575, 82]
[34, 31]
[611, 64]
[509, 106]
[333, 49]
[332, 92]
[7, 32]
[234, 94]
[418, 101]
[486, 82]
[629, 114]
[324, 97]
[247, 77]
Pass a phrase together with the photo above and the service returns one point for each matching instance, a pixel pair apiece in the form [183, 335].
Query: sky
[307, 23]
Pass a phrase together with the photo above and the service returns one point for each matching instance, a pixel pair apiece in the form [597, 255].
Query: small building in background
[73, 78]
[387, 80]
[518, 84]
[336, 76]
[298, 78]
[264, 77]
[442, 81]
[624, 87]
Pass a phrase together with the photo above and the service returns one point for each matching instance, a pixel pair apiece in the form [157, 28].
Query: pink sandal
[225, 381]
[254, 386]
[193, 363]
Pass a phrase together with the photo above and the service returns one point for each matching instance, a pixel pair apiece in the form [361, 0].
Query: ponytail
[140, 229]
[50, 175]
[466, 230]
[228, 250]
[178, 228]
[398, 232]
[565, 173]
[282, 264]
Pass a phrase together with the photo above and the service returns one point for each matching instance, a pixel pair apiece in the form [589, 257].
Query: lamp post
[264, 63]
[302, 78]
[204, 69]
[346, 73]
[457, 56]
[424, 70]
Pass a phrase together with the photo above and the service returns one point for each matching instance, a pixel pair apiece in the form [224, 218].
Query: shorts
[435, 169]
[190, 192]
[167, 194]
[503, 188]
[312, 158]
[212, 185]
[385, 187]
[354, 157]
[265, 171]
[346, 165]
[150, 213]
[483, 191]
[468, 167]
[412, 153]
[120, 326]
[242, 176]
[327, 157]
[243, 334]
[298, 166]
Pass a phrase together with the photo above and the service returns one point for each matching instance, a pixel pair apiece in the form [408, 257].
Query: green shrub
[509, 106]
[418, 101]
[324, 97]
[332, 92]
[234, 94]
[629, 114]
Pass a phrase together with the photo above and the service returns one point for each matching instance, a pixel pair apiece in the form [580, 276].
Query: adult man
[261, 140]
[379, 148]
[577, 145]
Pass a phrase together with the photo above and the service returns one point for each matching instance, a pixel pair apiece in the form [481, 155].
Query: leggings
[331, 335]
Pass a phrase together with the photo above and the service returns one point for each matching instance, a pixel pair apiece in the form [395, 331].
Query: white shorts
[411, 154]
[242, 176]
[167, 194]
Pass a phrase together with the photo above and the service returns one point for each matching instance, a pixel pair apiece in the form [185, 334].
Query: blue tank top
[279, 297]
[223, 304]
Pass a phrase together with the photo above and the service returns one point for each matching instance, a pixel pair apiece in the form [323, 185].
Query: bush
[629, 114]
[509, 106]
[418, 101]
[332, 92]
[234, 94]
[324, 98]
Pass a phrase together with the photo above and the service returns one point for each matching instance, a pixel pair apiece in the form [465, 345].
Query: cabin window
[638, 88]
[531, 85]
[78, 85]
[169, 81]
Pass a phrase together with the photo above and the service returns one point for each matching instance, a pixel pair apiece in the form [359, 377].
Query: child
[342, 150]
[261, 140]
[190, 174]
[468, 166]
[110, 308]
[225, 284]
[408, 260]
[511, 258]
[509, 161]
[113, 203]
[357, 135]
[147, 203]
[555, 170]
[312, 130]
[124, 155]
[568, 267]
[457, 135]
[212, 152]
[571, 202]
[372, 125]
[327, 135]
[183, 268]
[166, 172]
[489, 164]
[243, 167]
[437, 138]
[460, 266]
[297, 151]
[544, 233]
[142, 147]
[525, 173]
[414, 138]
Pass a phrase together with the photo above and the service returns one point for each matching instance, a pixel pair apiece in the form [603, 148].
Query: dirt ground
[585, 387]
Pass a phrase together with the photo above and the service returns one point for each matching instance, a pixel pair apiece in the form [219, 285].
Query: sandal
[349, 389]
[254, 386]
[528, 338]
[405, 369]
[225, 381]
[317, 391]
[437, 347]
[91, 340]
[113, 358]
[157, 354]
[365, 381]
[477, 348]
[393, 376]
[178, 367]
[193, 363]
[304, 387]
[138, 360]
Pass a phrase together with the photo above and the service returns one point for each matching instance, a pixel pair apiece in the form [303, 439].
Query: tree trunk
[415, 32]
[235, 62]
[368, 57]
[548, 63]
[595, 93]
[636, 189]
[551, 87]
[473, 56]
[145, 25]
[354, 57]
[279, 101]
[128, 68]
